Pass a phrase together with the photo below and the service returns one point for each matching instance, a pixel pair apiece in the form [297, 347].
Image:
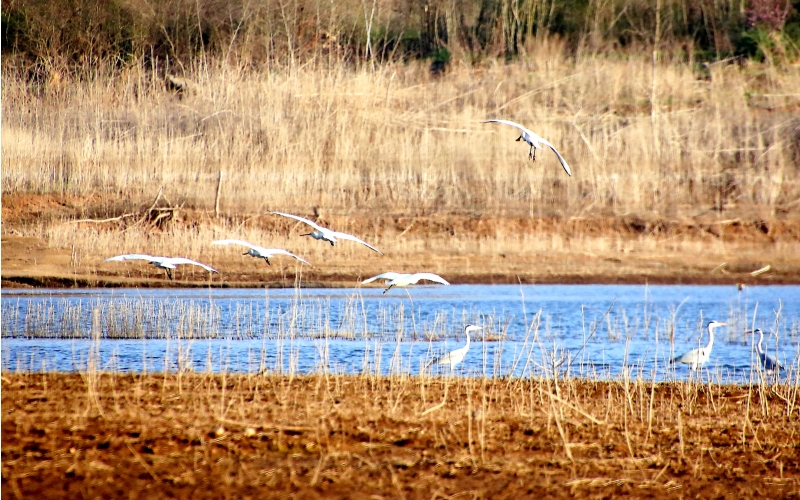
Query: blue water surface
[596, 331]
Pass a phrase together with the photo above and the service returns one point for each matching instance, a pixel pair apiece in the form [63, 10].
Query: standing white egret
[534, 141]
[325, 234]
[453, 358]
[770, 365]
[165, 263]
[260, 252]
[698, 356]
[403, 280]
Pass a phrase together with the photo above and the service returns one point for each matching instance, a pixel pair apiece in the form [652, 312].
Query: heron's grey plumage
[695, 358]
[455, 357]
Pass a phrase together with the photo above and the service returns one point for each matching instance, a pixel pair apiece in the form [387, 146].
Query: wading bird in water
[260, 252]
[453, 358]
[168, 264]
[770, 365]
[534, 141]
[698, 356]
[403, 280]
[325, 234]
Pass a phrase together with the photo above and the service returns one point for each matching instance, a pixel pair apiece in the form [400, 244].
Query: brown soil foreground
[101, 435]
[463, 248]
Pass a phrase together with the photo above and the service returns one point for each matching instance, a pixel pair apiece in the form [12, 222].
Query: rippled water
[583, 330]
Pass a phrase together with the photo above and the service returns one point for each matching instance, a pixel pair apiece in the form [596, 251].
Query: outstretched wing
[280, 251]
[384, 276]
[237, 242]
[510, 123]
[560, 158]
[182, 260]
[345, 236]
[132, 256]
[430, 277]
[297, 218]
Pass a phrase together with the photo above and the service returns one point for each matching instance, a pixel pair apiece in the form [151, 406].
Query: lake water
[596, 331]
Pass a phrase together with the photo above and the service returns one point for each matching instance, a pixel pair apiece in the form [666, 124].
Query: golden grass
[397, 141]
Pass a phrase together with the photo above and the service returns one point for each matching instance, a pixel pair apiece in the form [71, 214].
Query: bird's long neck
[760, 342]
[710, 336]
[466, 346]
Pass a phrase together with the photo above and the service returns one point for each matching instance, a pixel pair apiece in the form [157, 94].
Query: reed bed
[295, 335]
[244, 319]
[354, 315]
[394, 140]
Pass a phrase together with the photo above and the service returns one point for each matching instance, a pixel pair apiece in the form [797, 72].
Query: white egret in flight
[260, 252]
[534, 141]
[165, 263]
[770, 365]
[453, 358]
[322, 233]
[699, 355]
[403, 280]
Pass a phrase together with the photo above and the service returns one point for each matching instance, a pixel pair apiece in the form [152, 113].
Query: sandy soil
[722, 250]
[215, 436]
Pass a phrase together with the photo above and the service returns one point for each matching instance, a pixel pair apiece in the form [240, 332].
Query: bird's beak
[519, 138]
[306, 234]
[246, 253]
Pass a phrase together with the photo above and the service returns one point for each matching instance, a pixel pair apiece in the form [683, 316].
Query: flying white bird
[260, 252]
[534, 141]
[322, 233]
[699, 355]
[453, 358]
[402, 280]
[770, 365]
[165, 263]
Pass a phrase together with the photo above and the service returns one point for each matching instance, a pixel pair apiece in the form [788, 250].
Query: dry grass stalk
[298, 434]
[394, 140]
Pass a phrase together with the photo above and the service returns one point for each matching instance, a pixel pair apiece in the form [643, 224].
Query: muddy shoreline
[464, 248]
[206, 436]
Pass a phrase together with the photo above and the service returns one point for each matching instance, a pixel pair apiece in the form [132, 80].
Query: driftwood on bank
[157, 214]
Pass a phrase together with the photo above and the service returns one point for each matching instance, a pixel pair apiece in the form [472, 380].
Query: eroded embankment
[44, 246]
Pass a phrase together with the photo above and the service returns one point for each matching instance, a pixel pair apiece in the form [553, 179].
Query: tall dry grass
[677, 140]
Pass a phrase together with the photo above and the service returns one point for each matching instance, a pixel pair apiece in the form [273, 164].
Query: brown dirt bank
[212, 436]
[462, 247]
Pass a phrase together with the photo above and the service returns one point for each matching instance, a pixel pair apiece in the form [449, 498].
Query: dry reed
[396, 141]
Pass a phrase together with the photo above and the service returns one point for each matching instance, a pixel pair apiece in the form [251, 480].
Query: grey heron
[168, 264]
[453, 358]
[325, 234]
[260, 252]
[696, 357]
[770, 365]
[534, 141]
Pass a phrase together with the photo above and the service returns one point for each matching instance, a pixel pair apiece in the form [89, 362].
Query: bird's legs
[266, 259]
[169, 273]
[387, 288]
[531, 152]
